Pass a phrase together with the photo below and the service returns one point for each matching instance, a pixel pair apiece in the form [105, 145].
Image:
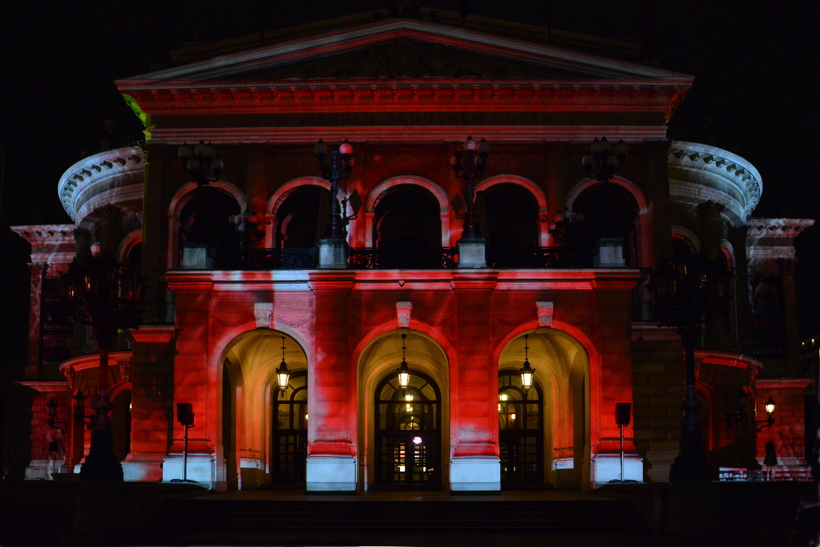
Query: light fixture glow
[404, 370]
[526, 371]
[282, 373]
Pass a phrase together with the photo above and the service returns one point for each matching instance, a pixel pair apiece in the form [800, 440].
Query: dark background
[752, 66]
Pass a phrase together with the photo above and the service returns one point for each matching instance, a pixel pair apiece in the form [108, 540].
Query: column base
[472, 252]
[332, 254]
[609, 253]
[201, 469]
[251, 473]
[607, 467]
[142, 467]
[332, 474]
[475, 475]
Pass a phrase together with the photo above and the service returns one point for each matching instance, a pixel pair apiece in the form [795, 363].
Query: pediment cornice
[407, 64]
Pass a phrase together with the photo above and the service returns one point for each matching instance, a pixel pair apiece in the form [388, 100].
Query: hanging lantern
[282, 373]
[526, 371]
[770, 406]
[404, 370]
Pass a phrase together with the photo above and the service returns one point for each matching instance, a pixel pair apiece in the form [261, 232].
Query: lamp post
[403, 372]
[687, 292]
[283, 373]
[335, 167]
[106, 295]
[468, 164]
[603, 159]
[526, 372]
[200, 161]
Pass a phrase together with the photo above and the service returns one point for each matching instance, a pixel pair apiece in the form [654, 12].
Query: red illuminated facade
[406, 93]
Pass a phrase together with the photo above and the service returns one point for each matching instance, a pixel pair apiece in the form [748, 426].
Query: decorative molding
[768, 252]
[403, 313]
[263, 312]
[125, 369]
[788, 228]
[404, 134]
[546, 311]
[97, 174]
[46, 235]
[714, 175]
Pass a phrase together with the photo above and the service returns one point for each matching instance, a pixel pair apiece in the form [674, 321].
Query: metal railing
[402, 259]
[538, 257]
[279, 259]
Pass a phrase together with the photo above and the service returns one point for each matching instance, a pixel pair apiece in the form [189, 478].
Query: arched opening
[521, 431]
[389, 427]
[609, 211]
[407, 228]
[289, 436]
[508, 219]
[204, 220]
[547, 443]
[303, 218]
[121, 418]
[408, 432]
[249, 419]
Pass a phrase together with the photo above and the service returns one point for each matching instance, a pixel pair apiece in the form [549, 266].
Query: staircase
[197, 521]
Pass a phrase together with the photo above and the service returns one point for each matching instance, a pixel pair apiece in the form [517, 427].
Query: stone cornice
[765, 252]
[783, 228]
[592, 82]
[405, 134]
[46, 236]
[97, 174]
[699, 172]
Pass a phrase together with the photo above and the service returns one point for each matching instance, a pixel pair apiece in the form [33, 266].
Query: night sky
[60, 62]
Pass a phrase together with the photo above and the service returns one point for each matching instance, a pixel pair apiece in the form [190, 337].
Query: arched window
[608, 211]
[303, 218]
[407, 228]
[508, 219]
[408, 432]
[204, 220]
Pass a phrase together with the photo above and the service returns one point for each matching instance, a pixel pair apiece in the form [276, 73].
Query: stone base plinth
[609, 253]
[331, 474]
[472, 252]
[475, 475]
[196, 256]
[332, 254]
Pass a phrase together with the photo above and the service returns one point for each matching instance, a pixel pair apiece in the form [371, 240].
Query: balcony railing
[762, 475]
[280, 259]
[402, 259]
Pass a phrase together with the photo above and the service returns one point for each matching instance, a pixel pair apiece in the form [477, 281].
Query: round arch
[127, 245]
[685, 233]
[282, 193]
[181, 198]
[375, 195]
[377, 357]
[244, 362]
[532, 188]
[643, 224]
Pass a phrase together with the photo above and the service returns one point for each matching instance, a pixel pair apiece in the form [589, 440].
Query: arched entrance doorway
[392, 456]
[408, 432]
[251, 413]
[289, 435]
[547, 442]
[521, 431]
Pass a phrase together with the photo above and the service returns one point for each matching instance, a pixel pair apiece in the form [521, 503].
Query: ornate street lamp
[468, 164]
[527, 372]
[404, 370]
[335, 168]
[282, 373]
[52, 416]
[107, 296]
[688, 292]
[200, 161]
[603, 159]
[769, 421]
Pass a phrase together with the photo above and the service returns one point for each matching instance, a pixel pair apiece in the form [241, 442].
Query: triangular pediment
[405, 49]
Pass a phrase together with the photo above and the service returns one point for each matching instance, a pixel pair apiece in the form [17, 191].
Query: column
[110, 218]
[154, 232]
[332, 459]
[196, 383]
[38, 274]
[475, 462]
[151, 393]
[257, 187]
